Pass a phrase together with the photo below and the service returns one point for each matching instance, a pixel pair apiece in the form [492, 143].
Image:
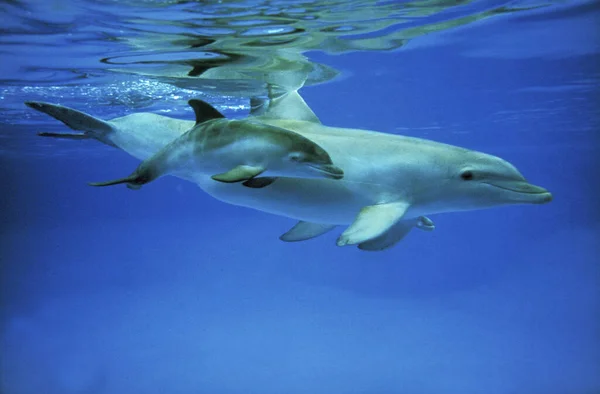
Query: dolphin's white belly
[313, 200]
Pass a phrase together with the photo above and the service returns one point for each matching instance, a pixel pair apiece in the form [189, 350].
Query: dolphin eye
[467, 175]
[296, 156]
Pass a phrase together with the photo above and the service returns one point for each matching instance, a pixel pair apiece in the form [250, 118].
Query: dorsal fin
[289, 105]
[204, 111]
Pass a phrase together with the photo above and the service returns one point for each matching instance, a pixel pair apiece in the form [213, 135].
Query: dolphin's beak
[328, 170]
[527, 193]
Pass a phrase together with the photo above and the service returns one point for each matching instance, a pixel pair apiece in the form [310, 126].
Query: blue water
[167, 290]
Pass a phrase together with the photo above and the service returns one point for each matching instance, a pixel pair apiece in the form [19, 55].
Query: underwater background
[168, 290]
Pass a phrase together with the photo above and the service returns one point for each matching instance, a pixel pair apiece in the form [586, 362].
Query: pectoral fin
[397, 233]
[238, 174]
[425, 224]
[390, 237]
[259, 182]
[306, 230]
[372, 221]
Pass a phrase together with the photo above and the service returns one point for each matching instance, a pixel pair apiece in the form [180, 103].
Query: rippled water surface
[153, 55]
[114, 57]
[110, 58]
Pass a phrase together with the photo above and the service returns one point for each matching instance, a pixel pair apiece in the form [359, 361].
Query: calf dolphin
[390, 182]
[240, 150]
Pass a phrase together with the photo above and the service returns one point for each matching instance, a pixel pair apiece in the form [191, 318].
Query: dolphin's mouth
[528, 192]
[328, 170]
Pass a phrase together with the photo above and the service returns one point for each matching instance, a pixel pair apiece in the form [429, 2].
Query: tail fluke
[76, 120]
[66, 136]
[133, 181]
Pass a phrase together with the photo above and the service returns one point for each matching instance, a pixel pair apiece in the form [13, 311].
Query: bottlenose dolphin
[240, 150]
[390, 182]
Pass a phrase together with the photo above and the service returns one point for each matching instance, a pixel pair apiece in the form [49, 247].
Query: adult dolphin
[390, 182]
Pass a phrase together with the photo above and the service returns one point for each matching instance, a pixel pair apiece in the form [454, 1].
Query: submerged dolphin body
[390, 182]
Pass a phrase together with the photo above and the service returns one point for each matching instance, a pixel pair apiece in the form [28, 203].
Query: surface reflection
[226, 47]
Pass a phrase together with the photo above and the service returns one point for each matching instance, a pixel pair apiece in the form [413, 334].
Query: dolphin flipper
[389, 238]
[425, 224]
[372, 221]
[239, 174]
[259, 182]
[396, 234]
[306, 230]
